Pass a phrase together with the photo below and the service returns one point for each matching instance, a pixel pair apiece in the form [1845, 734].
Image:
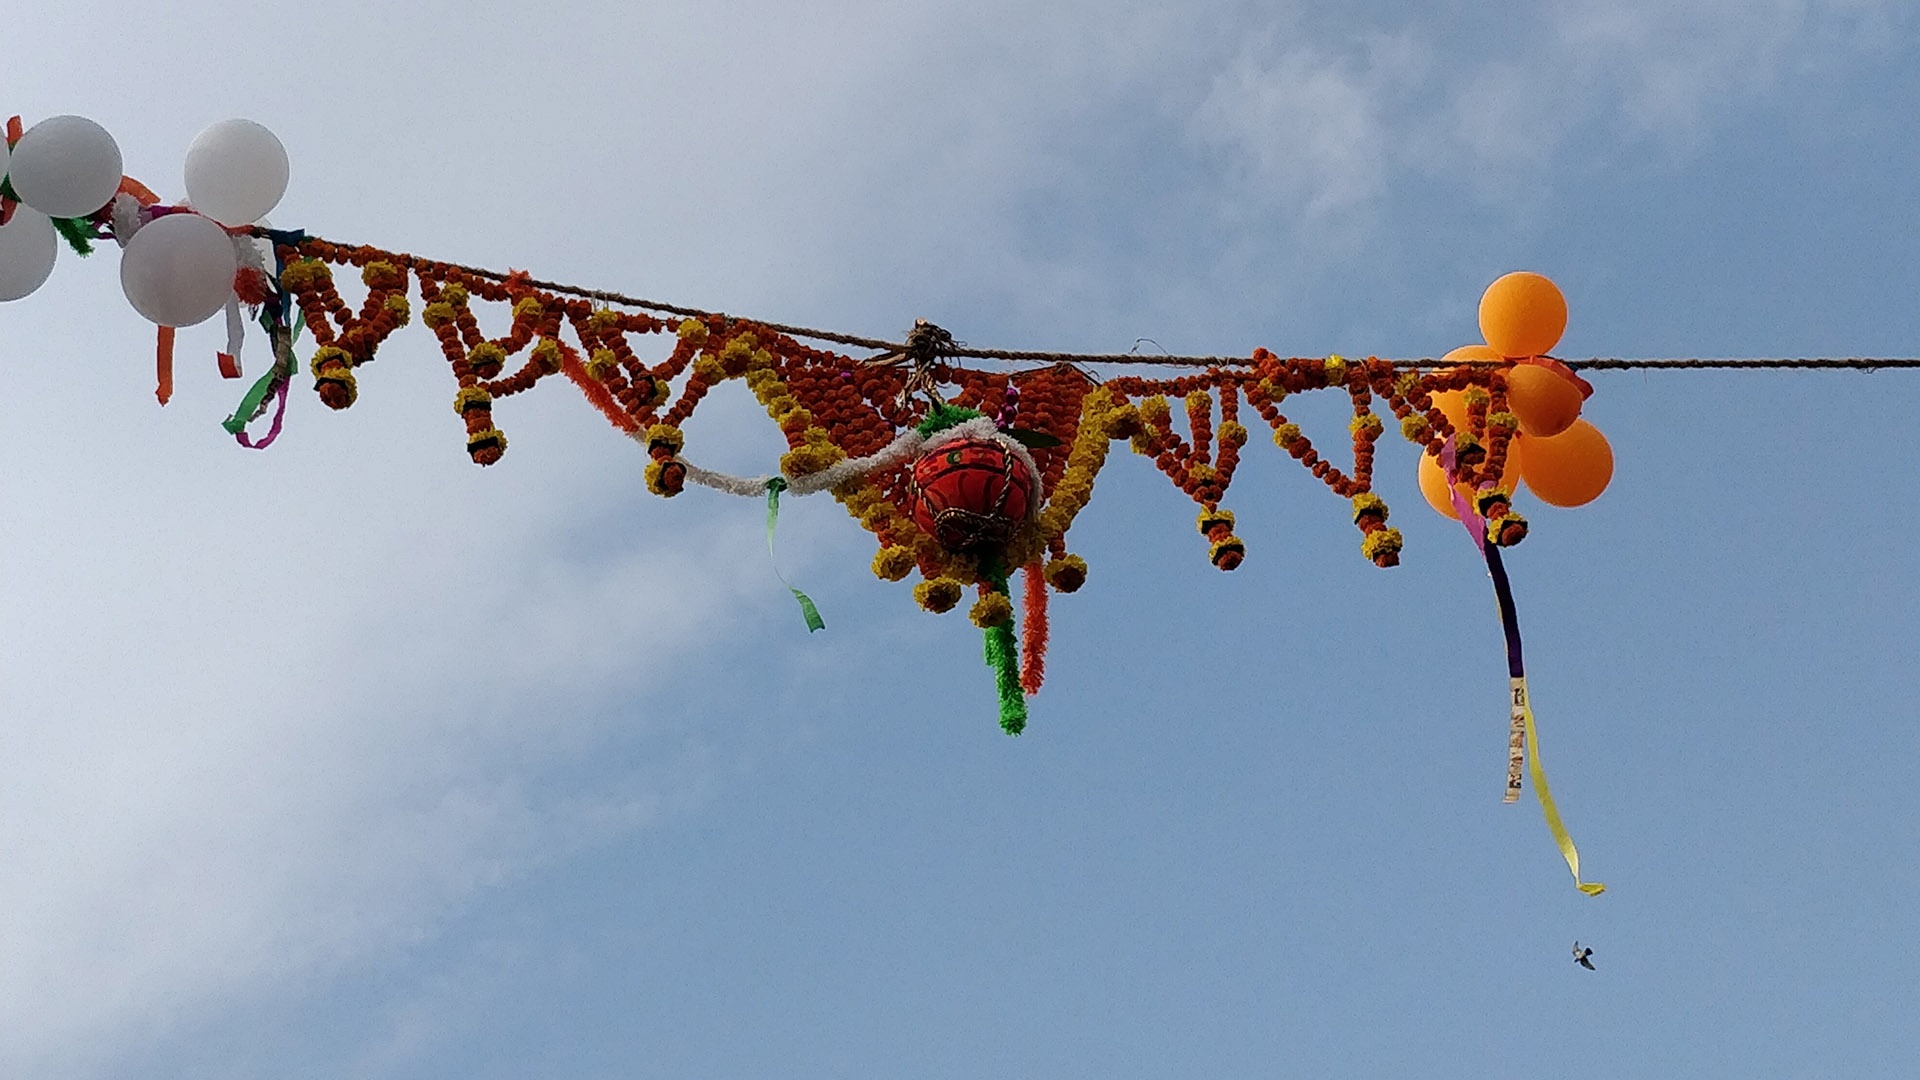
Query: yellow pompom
[893, 563]
[665, 436]
[1381, 542]
[993, 609]
[1067, 573]
[938, 595]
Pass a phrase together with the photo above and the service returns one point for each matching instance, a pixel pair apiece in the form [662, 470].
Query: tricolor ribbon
[1523, 738]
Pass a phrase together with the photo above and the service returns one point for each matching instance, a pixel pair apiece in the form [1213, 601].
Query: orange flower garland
[831, 408]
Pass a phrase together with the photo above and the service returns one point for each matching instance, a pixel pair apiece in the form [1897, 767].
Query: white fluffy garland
[905, 447]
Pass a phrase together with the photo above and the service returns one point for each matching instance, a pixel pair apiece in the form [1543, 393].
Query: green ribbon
[807, 609]
[249, 406]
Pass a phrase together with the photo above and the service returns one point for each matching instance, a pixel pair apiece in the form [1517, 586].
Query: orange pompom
[1546, 402]
[1569, 469]
[1523, 314]
[1433, 482]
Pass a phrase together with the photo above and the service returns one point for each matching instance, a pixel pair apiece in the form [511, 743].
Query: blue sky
[267, 810]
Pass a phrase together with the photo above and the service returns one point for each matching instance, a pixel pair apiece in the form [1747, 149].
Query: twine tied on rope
[925, 346]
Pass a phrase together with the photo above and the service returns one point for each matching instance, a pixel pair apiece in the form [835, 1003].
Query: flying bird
[1580, 956]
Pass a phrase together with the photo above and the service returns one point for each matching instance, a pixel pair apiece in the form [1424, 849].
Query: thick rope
[1849, 363]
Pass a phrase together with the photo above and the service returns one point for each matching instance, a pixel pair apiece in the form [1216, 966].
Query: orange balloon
[1453, 405]
[1523, 314]
[1471, 352]
[1544, 400]
[1569, 469]
[1433, 485]
[1433, 481]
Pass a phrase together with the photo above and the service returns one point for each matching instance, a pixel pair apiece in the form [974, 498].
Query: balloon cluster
[64, 167]
[1562, 459]
[63, 177]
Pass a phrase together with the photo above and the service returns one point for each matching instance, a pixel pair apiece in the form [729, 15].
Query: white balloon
[66, 166]
[5, 153]
[27, 247]
[236, 172]
[178, 269]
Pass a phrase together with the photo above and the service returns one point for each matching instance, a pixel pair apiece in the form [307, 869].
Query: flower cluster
[345, 338]
[666, 474]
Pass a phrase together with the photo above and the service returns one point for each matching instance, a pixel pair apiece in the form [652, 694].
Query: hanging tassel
[1002, 649]
[1033, 633]
[1003, 656]
[163, 365]
[77, 232]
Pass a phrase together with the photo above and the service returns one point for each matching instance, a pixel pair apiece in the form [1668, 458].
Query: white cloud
[251, 759]
[1316, 129]
[1306, 124]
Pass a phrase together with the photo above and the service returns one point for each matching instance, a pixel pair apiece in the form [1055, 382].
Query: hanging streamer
[236, 336]
[275, 383]
[1523, 746]
[807, 609]
[1561, 838]
[163, 365]
[1003, 654]
[1033, 660]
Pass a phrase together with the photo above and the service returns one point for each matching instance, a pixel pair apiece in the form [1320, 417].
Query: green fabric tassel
[943, 416]
[77, 232]
[1003, 655]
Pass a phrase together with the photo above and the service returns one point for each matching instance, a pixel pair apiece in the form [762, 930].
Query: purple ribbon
[273, 430]
[1476, 527]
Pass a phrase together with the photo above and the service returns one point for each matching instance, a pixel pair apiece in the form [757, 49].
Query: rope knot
[927, 343]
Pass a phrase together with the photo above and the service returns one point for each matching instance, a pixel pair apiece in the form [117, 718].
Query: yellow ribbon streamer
[1554, 825]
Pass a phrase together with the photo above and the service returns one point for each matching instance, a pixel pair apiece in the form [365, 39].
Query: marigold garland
[835, 411]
